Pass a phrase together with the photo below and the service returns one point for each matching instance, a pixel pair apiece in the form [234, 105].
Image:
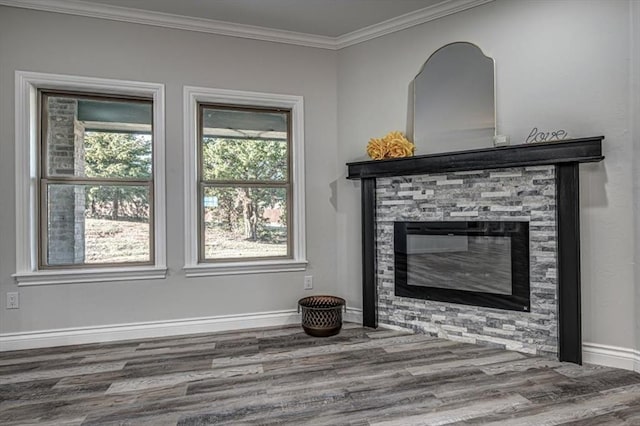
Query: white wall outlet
[308, 282]
[13, 300]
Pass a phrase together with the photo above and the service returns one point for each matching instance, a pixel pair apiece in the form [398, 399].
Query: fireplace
[534, 183]
[478, 263]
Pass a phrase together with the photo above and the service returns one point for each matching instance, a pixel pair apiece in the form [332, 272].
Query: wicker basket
[322, 315]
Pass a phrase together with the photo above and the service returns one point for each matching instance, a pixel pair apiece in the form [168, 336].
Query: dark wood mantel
[583, 150]
[566, 155]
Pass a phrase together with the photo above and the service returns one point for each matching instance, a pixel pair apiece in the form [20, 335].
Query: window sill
[90, 275]
[238, 268]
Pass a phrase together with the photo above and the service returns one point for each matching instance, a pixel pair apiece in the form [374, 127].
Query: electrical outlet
[13, 300]
[308, 282]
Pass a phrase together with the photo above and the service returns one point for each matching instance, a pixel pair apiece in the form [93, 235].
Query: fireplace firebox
[480, 263]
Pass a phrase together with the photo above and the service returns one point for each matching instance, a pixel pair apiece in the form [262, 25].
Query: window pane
[244, 145]
[97, 138]
[117, 155]
[97, 224]
[247, 160]
[244, 222]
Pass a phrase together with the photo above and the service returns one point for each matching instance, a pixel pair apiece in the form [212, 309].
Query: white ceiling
[331, 18]
[325, 24]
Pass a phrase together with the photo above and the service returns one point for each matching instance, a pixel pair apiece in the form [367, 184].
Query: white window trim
[26, 145]
[192, 97]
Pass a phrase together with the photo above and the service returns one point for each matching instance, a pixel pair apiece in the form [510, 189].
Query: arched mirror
[454, 100]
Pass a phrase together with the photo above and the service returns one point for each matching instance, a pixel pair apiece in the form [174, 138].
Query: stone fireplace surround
[513, 194]
[537, 183]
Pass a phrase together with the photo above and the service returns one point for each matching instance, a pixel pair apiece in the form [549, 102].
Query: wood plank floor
[282, 376]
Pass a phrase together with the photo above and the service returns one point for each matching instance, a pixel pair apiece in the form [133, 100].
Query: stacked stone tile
[522, 193]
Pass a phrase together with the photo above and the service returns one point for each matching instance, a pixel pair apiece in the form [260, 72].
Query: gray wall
[559, 65]
[635, 135]
[55, 43]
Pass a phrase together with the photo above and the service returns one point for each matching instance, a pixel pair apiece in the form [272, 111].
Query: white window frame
[192, 96]
[26, 154]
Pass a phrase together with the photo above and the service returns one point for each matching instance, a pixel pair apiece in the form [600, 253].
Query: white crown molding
[137, 16]
[408, 20]
[158, 19]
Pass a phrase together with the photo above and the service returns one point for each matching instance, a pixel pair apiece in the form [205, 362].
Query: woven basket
[321, 315]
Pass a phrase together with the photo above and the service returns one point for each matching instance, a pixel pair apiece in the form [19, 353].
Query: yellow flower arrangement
[377, 148]
[393, 145]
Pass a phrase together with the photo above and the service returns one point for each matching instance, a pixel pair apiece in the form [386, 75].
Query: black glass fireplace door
[472, 263]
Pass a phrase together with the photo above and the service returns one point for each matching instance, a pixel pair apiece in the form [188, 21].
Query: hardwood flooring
[282, 376]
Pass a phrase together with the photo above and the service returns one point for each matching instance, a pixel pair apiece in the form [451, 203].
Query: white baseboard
[143, 330]
[593, 353]
[611, 356]
[353, 315]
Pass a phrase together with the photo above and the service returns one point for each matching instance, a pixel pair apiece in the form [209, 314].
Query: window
[90, 168]
[244, 179]
[96, 180]
[244, 183]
